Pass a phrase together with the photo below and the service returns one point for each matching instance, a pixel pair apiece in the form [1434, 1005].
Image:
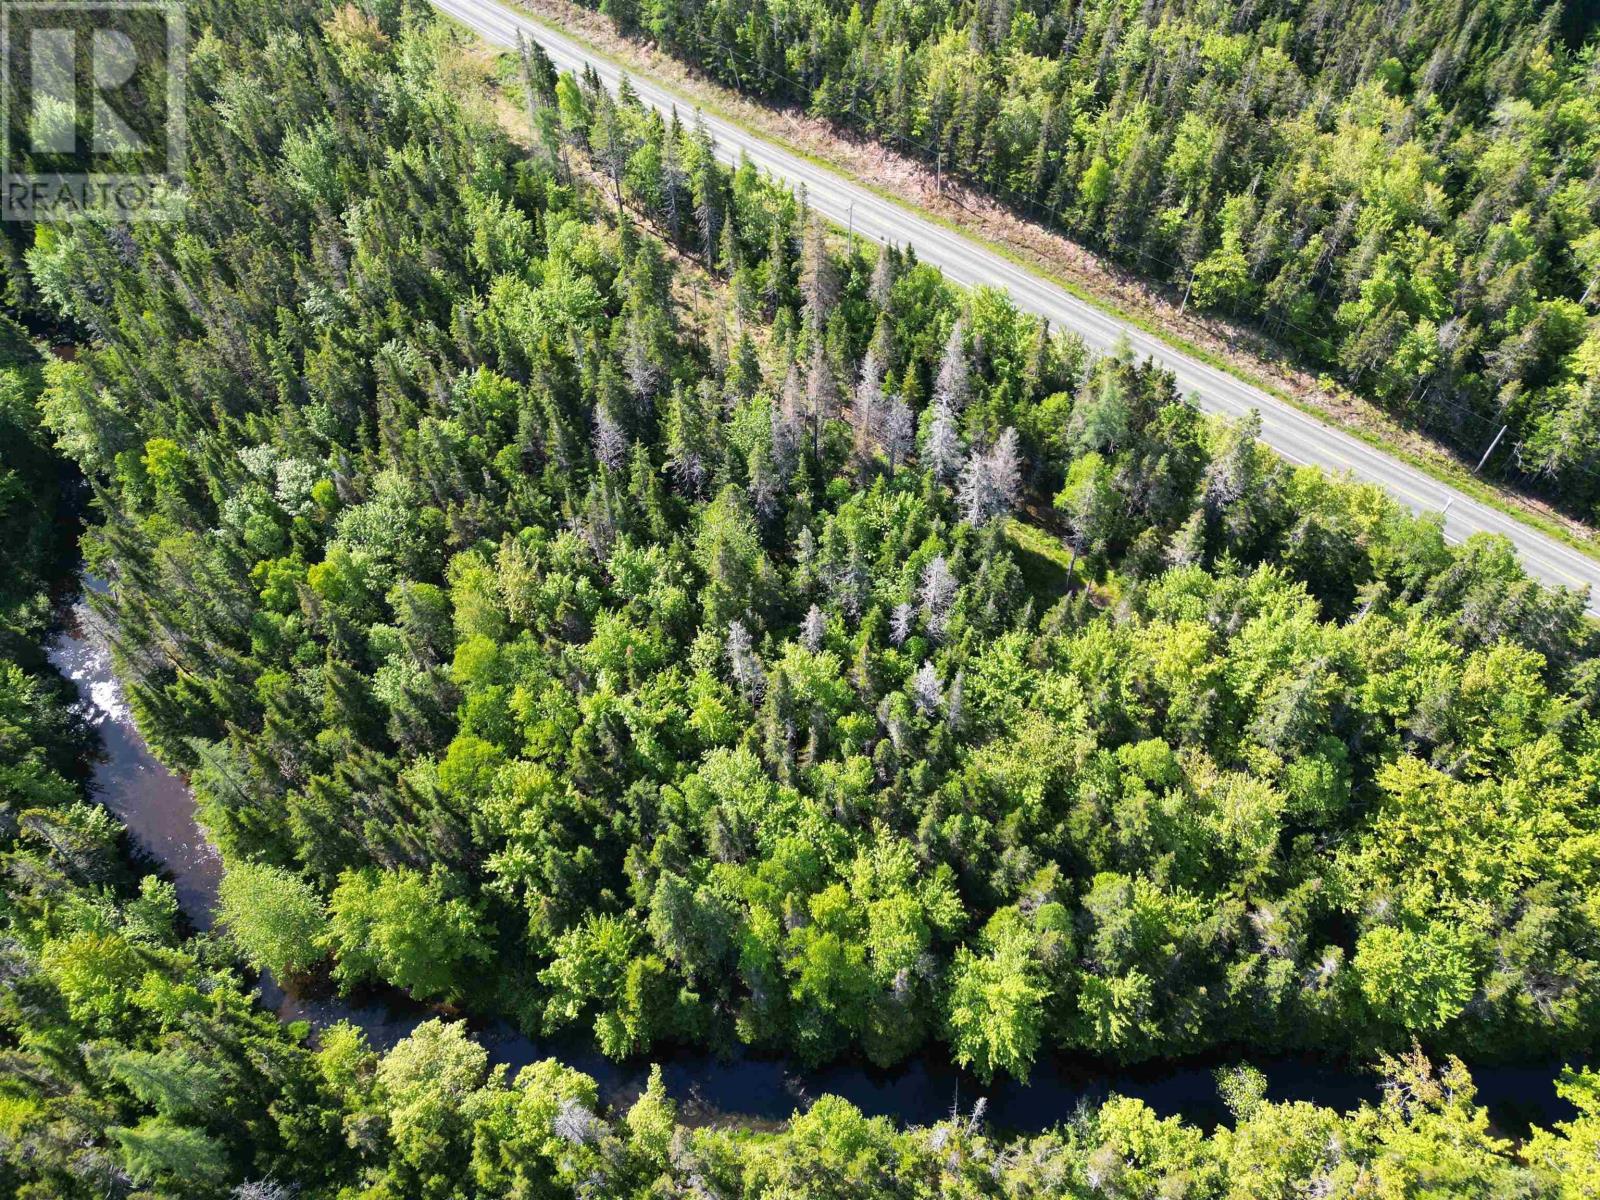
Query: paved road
[1293, 434]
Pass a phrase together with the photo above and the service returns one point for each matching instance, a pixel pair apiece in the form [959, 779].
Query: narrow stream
[159, 811]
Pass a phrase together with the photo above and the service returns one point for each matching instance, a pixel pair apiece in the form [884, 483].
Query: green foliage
[996, 1009]
[403, 928]
[36, 523]
[172, 1156]
[276, 917]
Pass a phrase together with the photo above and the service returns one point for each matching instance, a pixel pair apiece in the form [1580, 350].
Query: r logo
[92, 108]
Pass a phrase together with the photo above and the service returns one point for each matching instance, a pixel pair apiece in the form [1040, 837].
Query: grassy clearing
[1046, 564]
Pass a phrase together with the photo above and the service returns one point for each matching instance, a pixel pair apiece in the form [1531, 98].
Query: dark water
[157, 808]
[152, 802]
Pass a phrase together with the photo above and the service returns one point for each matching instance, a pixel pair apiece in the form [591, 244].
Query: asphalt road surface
[1296, 436]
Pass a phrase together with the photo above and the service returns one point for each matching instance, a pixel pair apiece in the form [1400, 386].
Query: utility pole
[852, 225]
[1490, 450]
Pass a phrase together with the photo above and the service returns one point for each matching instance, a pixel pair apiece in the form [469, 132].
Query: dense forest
[1404, 193]
[135, 1063]
[511, 598]
[581, 588]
